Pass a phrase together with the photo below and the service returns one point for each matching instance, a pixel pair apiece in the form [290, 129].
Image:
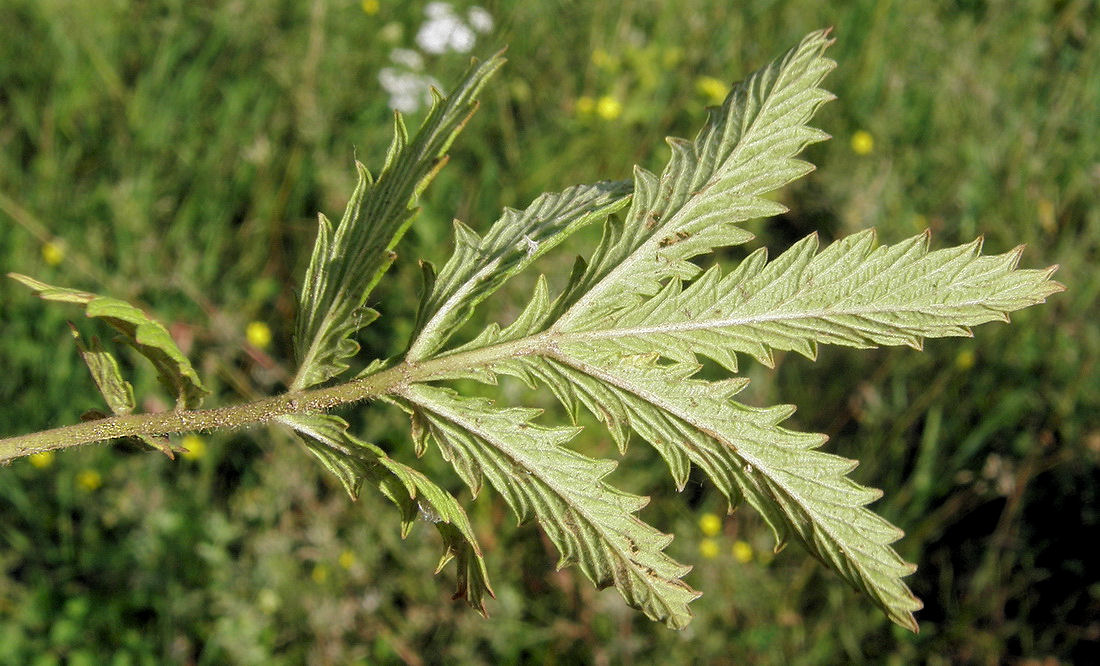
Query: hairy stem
[391, 380]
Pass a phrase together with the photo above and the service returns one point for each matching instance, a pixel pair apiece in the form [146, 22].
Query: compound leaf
[622, 339]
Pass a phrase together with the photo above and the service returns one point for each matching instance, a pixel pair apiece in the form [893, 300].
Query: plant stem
[391, 380]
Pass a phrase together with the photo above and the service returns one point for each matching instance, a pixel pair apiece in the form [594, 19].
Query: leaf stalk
[386, 381]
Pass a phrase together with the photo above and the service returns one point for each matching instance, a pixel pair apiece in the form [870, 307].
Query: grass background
[176, 153]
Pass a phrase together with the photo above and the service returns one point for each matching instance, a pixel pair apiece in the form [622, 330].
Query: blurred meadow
[175, 153]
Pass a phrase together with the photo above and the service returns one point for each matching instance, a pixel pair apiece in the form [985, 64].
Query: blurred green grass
[177, 152]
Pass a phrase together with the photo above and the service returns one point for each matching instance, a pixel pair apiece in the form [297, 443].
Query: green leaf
[745, 150]
[479, 266]
[591, 523]
[852, 293]
[355, 461]
[622, 340]
[801, 492]
[147, 336]
[349, 260]
[116, 391]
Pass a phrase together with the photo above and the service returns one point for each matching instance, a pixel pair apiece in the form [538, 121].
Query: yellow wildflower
[609, 108]
[89, 480]
[862, 142]
[965, 359]
[258, 334]
[319, 573]
[714, 90]
[710, 524]
[42, 460]
[585, 105]
[742, 551]
[370, 7]
[708, 548]
[196, 447]
[52, 253]
[347, 559]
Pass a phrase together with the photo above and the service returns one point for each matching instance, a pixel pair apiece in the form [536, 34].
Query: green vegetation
[172, 156]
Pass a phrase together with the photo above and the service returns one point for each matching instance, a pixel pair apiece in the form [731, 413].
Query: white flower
[444, 33]
[436, 10]
[480, 19]
[462, 38]
[408, 58]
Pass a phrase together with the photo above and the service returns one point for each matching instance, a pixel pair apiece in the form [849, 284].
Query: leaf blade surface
[591, 523]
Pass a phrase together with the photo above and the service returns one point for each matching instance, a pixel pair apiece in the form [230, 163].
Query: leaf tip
[907, 621]
[975, 246]
[1014, 256]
